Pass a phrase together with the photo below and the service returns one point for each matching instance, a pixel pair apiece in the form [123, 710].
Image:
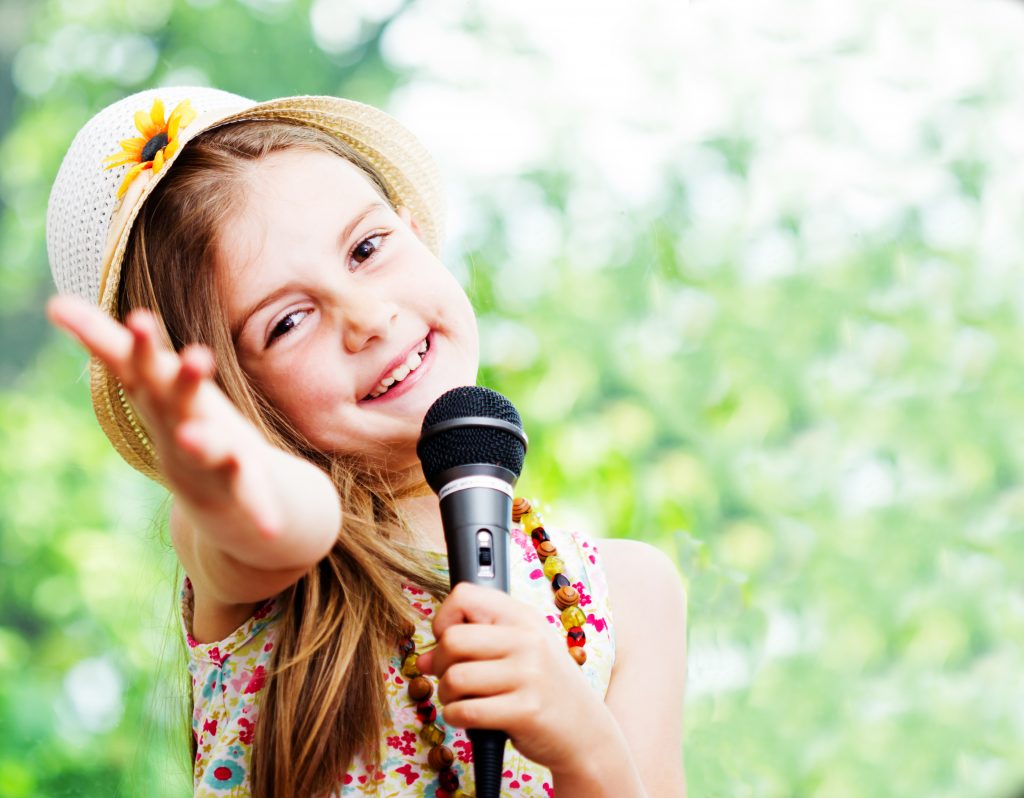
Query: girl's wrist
[602, 765]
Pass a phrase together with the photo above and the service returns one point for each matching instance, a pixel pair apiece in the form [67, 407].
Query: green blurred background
[749, 270]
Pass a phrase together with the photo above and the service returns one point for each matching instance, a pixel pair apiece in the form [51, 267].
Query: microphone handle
[477, 523]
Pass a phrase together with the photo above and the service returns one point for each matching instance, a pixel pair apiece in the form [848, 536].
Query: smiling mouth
[412, 362]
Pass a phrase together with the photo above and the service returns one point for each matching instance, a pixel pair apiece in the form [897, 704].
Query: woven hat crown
[88, 227]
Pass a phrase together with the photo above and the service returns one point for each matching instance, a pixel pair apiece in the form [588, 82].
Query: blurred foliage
[749, 271]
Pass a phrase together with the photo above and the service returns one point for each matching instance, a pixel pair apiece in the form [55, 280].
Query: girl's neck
[424, 515]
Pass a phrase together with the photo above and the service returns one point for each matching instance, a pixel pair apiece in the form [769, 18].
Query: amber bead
[420, 689]
[566, 597]
[538, 536]
[406, 647]
[440, 757]
[530, 522]
[409, 668]
[578, 654]
[546, 549]
[520, 507]
[448, 779]
[560, 581]
[426, 712]
[575, 636]
[552, 566]
[573, 616]
[432, 734]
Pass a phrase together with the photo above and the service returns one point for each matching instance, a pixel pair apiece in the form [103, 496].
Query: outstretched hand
[199, 435]
[501, 666]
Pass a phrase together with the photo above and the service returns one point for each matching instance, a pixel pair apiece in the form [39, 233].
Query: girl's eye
[368, 247]
[286, 325]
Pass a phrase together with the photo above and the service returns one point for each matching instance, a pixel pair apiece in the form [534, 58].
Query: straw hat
[99, 190]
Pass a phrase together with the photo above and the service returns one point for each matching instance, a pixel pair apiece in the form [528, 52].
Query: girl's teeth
[412, 362]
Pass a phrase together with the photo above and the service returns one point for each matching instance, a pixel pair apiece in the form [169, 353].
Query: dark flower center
[153, 146]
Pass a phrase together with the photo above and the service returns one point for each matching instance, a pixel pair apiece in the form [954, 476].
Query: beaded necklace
[441, 758]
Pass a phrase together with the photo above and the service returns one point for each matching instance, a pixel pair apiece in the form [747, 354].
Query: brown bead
[420, 689]
[520, 507]
[566, 597]
[578, 654]
[546, 549]
[440, 757]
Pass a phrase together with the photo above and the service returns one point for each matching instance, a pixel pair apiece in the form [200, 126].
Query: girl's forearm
[603, 770]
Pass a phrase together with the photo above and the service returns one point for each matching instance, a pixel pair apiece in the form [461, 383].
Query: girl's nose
[367, 315]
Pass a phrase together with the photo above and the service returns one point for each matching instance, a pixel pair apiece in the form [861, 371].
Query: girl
[272, 324]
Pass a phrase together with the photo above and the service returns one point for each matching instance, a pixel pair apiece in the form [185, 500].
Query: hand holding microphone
[472, 448]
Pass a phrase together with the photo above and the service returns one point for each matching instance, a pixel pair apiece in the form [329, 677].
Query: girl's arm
[248, 518]
[648, 682]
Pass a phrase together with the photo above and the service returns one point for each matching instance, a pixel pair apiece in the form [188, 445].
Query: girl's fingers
[469, 603]
[476, 680]
[465, 642]
[501, 711]
[93, 329]
[150, 366]
[196, 365]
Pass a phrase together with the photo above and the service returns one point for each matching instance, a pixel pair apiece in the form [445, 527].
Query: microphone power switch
[485, 553]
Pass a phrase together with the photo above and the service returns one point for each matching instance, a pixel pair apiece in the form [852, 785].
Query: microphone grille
[468, 444]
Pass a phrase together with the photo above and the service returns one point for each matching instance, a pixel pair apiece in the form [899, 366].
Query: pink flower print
[216, 656]
[425, 611]
[536, 573]
[264, 611]
[407, 771]
[464, 751]
[210, 726]
[598, 623]
[259, 678]
[584, 596]
[246, 730]
[548, 789]
[405, 744]
[268, 646]
[192, 642]
[526, 777]
[347, 779]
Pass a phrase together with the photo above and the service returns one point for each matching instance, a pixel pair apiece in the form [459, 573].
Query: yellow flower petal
[156, 113]
[145, 125]
[131, 175]
[170, 149]
[182, 114]
[133, 146]
[122, 159]
[158, 161]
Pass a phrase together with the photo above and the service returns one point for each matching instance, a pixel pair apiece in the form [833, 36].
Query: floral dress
[228, 675]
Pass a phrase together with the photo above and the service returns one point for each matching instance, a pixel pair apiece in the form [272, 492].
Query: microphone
[472, 448]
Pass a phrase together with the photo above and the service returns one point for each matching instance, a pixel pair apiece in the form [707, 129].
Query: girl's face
[340, 314]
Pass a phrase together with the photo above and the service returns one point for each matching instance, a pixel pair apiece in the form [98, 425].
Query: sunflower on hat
[159, 141]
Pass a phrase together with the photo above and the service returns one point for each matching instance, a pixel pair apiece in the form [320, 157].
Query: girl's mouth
[402, 372]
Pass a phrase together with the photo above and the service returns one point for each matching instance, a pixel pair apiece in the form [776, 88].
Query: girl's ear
[407, 217]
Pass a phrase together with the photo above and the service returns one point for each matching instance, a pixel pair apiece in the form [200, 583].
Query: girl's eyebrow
[259, 304]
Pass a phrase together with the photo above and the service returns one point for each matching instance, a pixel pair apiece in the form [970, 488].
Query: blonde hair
[325, 700]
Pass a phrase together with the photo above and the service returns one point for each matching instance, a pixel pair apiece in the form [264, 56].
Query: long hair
[325, 700]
